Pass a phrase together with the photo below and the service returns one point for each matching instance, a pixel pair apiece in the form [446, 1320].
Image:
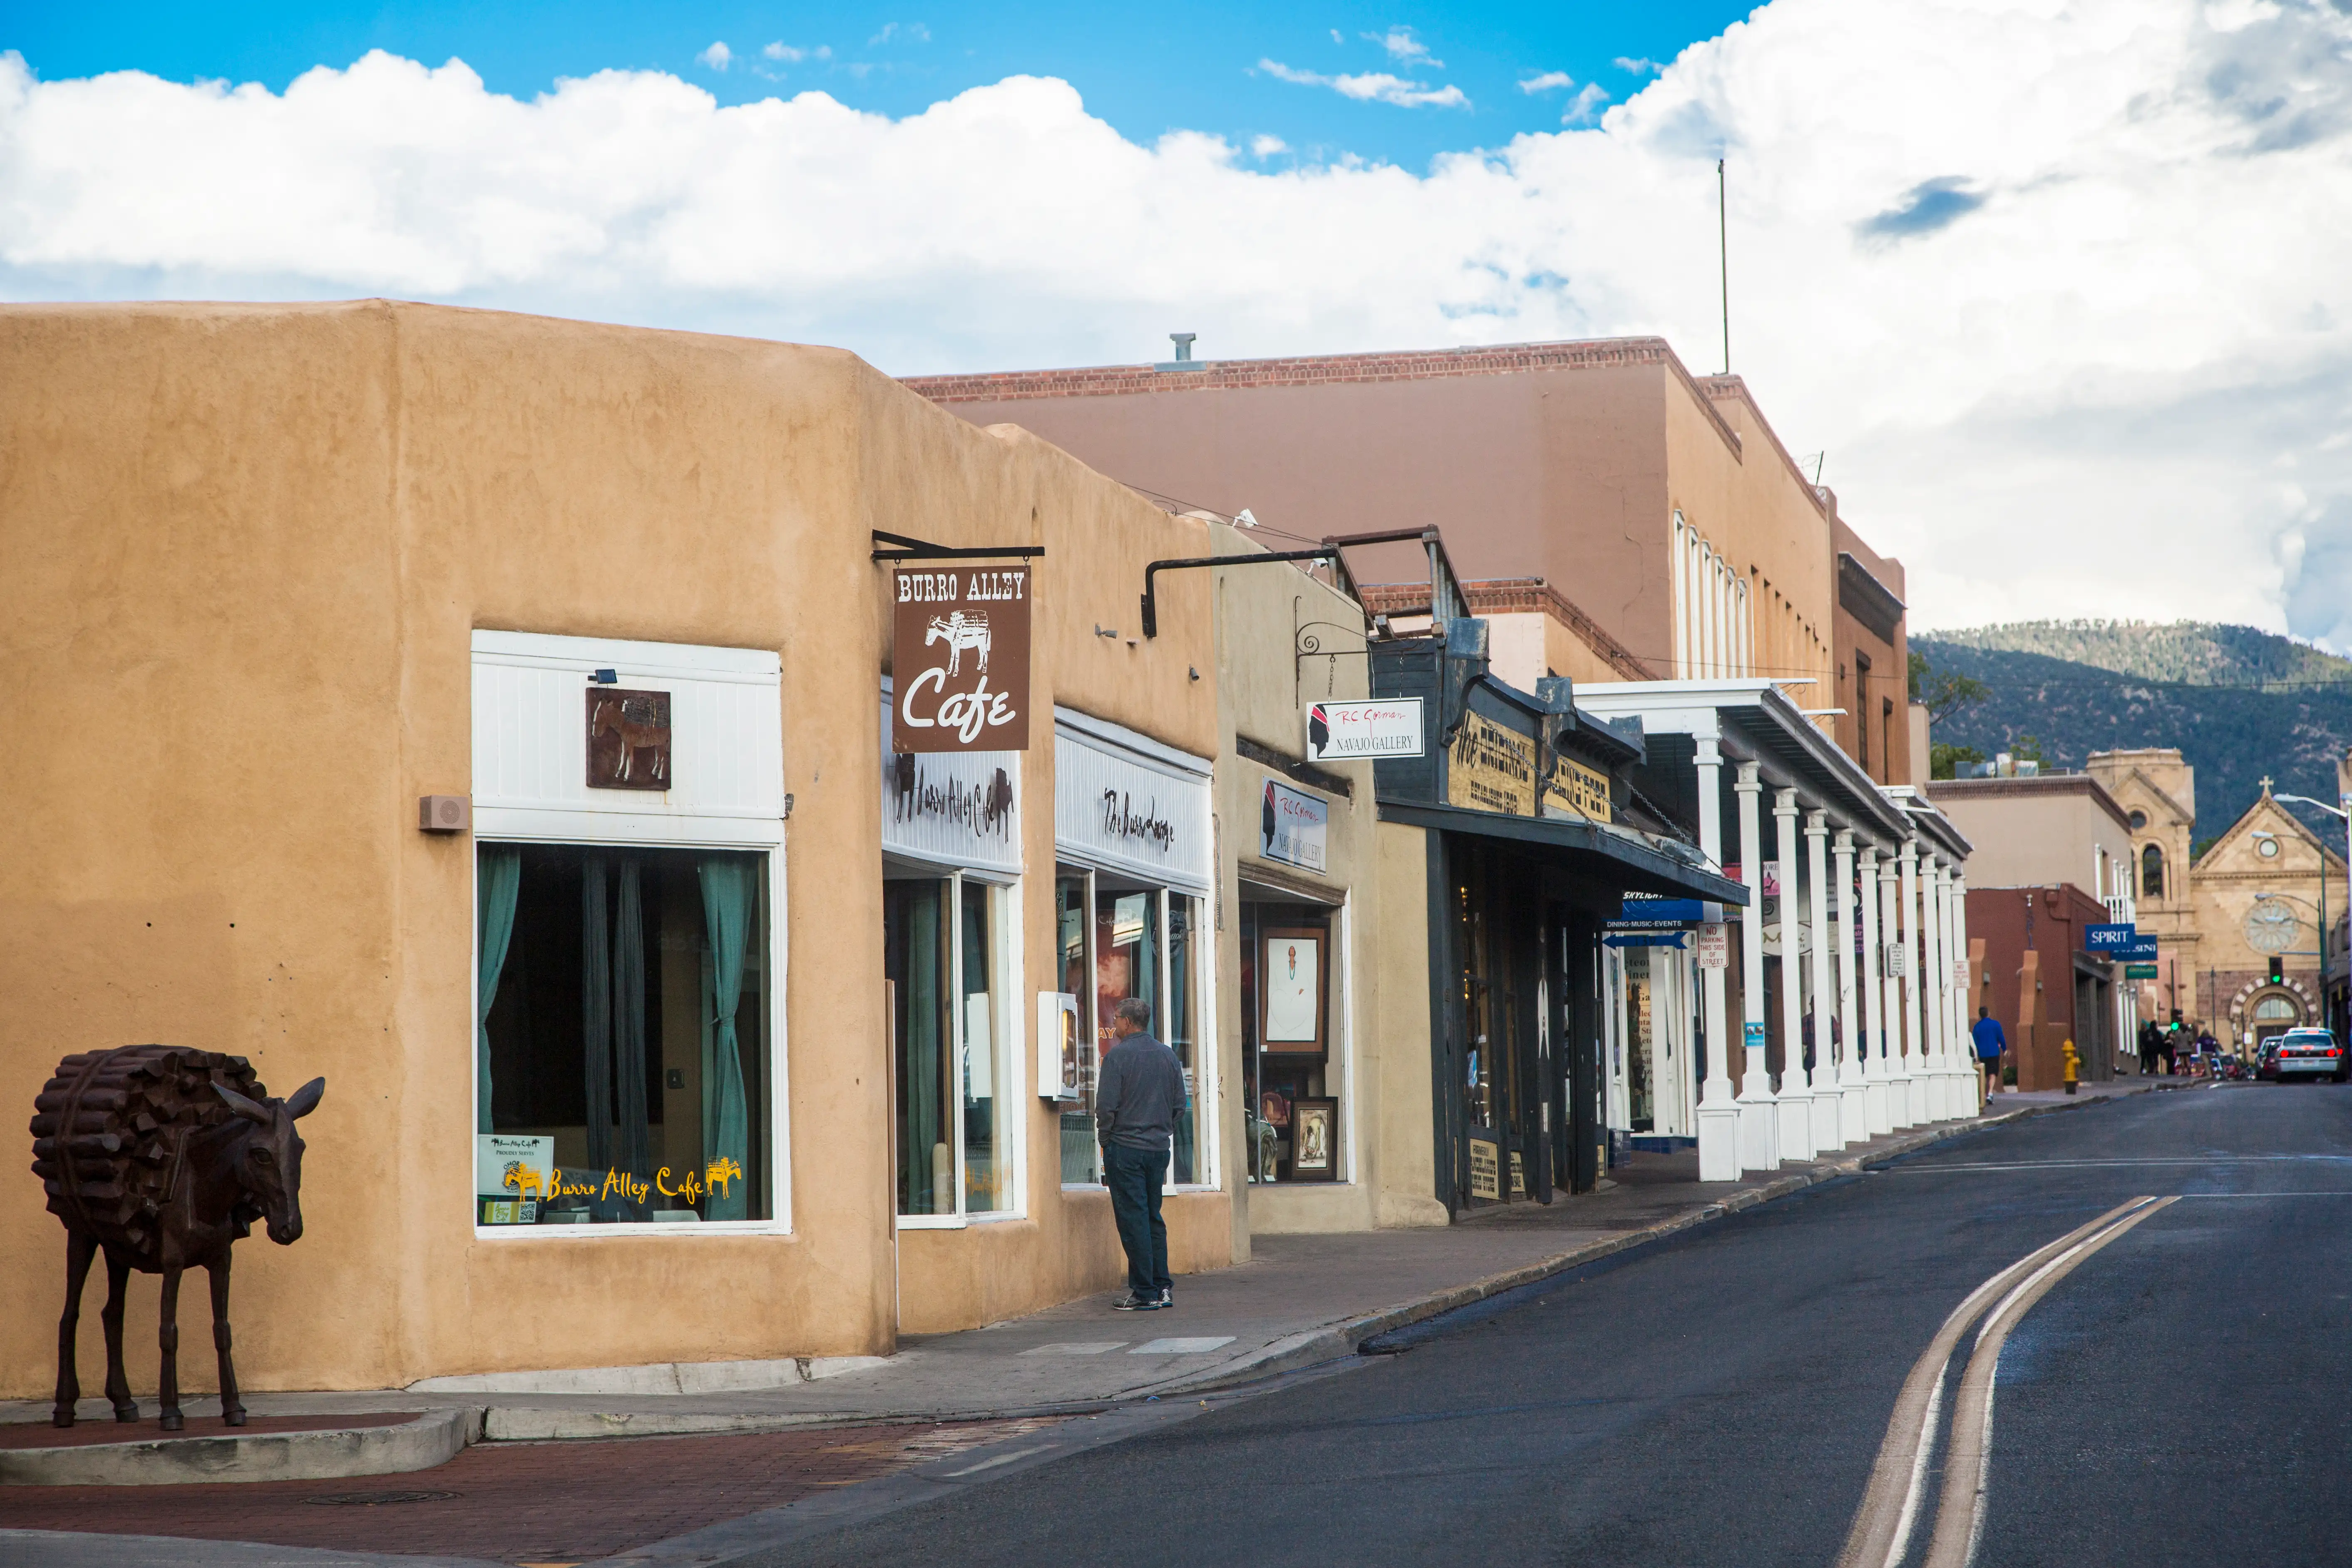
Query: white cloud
[717, 57]
[1548, 81]
[1268, 146]
[792, 55]
[2055, 282]
[1587, 103]
[1373, 87]
[1639, 68]
[909, 32]
[1404, 49]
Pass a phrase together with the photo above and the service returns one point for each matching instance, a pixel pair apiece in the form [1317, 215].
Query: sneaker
[1167, 1299]
[1136, 1305]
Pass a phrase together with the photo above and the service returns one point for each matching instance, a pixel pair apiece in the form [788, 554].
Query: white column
[1718, 1112]
[1854, 1110]
[1955, 1002]
[1796, 1095]
[1759, 1142]
[1915, 996]
[1968, 1009]
[1936, 986]
[1875, 1062]
[1823, 1011]
[1903, 1029]
[1926, 1071]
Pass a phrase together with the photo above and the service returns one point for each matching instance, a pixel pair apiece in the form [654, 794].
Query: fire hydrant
[2066, 1072]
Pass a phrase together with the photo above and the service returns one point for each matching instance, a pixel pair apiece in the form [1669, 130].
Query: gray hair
[1134, 1010]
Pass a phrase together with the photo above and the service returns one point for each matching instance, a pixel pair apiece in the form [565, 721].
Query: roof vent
[1184, 359]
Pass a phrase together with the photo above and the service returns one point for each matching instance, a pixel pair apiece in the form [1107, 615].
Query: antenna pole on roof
[1723, 244]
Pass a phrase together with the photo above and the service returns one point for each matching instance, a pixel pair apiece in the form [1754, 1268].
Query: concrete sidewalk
[1299, 1300]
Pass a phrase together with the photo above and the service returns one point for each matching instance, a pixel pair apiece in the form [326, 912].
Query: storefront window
[942, 951]
[1120, 940]
[1294, 1088]
[623, 1071]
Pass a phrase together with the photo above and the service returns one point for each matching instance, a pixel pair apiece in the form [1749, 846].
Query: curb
[430, 1439]
[1317, 1346]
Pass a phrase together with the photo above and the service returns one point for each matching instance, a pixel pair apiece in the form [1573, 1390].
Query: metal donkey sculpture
[161, 1157]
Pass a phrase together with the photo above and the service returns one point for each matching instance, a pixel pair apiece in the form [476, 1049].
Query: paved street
[1722, 1398]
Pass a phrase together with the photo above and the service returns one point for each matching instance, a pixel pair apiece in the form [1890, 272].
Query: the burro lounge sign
[959, 659]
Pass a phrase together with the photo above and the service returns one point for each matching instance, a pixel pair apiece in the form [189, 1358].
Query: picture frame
[1314, 1139]
[1293, 991]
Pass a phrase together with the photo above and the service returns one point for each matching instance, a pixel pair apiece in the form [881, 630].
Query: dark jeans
[1134, 1176]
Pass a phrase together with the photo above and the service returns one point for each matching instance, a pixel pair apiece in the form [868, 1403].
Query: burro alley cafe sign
[959, 659]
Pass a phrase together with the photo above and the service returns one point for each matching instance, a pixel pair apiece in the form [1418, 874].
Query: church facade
[2238, 926]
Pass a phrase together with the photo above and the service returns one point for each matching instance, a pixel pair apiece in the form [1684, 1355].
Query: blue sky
[1146, 70]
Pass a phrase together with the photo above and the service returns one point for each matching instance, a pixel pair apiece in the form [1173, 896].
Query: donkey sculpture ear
[250, 1110]
[305, 1100]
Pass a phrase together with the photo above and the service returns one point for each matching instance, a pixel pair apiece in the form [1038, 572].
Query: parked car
[2266, 1058]
[2310, 1054]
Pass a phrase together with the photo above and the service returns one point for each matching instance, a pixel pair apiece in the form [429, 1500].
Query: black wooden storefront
[1518, 899]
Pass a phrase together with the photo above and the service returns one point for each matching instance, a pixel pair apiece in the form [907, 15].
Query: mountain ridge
[2241, 704]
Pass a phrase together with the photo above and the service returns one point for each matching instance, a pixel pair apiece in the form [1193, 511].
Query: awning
[1633, 863]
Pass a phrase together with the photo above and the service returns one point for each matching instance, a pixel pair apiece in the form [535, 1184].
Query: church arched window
[2151, 872]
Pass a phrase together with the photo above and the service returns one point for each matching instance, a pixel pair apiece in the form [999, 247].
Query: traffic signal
[2278, 969]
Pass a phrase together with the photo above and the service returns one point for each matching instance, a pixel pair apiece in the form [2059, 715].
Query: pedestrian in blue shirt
[1990, 1043]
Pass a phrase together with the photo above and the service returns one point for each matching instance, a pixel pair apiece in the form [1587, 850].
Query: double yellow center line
[1891, 1504]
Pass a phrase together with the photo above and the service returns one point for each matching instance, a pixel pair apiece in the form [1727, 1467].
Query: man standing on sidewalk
[1990, 1043]
[1138, 1097]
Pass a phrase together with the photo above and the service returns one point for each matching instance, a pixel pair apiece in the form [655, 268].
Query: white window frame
[615, 829]
[1011, 1039]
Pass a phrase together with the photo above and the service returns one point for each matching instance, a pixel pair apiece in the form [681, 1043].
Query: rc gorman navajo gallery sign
[959, 659]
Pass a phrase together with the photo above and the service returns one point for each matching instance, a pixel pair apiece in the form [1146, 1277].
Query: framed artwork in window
[1314, 1140]
[1291, 983]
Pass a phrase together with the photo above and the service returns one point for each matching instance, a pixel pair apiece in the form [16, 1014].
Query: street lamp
[2342, 813]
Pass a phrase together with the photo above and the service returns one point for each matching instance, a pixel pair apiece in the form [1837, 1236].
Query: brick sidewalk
[534, 1503]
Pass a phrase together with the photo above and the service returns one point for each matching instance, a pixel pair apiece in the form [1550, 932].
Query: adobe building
[1652, 518]
[710, 1039]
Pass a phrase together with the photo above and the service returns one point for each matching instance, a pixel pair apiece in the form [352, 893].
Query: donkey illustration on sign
[960, 631]
[162, 1156]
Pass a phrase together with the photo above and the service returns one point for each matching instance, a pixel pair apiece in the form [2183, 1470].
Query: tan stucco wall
[1263, 613]
[2036, 832]
[1400, 1034]
[248, 545]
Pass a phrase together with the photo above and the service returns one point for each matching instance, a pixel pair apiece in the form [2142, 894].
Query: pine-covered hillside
[2197, 652]
[2239, 703]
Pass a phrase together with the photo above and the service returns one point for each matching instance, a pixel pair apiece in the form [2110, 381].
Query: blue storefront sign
[1645, 940]
[2109, 939]
[1646, 914]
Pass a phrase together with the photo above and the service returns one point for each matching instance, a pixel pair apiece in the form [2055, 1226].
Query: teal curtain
[918, 1172]
[728, 895]
[494, 916]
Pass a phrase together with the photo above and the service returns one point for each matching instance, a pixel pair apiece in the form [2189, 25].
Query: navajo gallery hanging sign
[959, 659]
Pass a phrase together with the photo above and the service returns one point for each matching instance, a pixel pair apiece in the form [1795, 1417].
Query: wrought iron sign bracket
[904, 549]
[1151, 599]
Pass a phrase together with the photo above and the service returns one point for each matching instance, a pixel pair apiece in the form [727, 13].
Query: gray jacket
[1139, 1094]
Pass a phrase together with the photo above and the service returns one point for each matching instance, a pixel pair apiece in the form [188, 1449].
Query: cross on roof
[2266, 783]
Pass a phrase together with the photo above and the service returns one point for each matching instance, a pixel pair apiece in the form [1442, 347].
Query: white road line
[1967, 1463]
[1881, 1532]
[1916, 1168]
[1000, 1459]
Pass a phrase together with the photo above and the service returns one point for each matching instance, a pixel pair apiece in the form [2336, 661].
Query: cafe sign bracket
[901, 547]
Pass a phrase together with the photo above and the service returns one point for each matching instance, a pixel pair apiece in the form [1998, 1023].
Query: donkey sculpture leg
[167, 1388]
[118, 1295]
[79, 1251]
[232, 1408]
